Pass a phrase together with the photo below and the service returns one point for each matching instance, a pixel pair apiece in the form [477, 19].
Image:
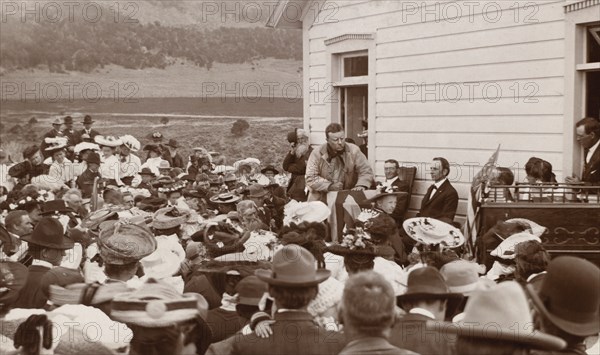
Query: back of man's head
[13, 218]
[368, 304]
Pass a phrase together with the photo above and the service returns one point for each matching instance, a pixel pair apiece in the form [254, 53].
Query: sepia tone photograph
[300, 177]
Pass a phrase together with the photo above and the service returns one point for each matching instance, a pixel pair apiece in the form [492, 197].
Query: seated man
[394, 184]
[336, 165]
[441, 200]
[368, 311]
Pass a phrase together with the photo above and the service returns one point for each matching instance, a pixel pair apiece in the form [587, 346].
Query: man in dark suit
[441, 200]
[87, 134]
[53, 133]
[426, 299]
[173, 156]
[393, 182]
[588, 135]
[47, 245]
[368, 312]
[293, 283]
[73, 137]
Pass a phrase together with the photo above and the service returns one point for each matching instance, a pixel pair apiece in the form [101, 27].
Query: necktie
[431, 191]
[585, 155]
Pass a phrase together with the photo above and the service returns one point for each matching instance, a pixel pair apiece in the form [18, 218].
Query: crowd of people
[109, 247]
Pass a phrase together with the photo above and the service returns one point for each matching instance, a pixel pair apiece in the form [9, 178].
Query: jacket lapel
[438, 192]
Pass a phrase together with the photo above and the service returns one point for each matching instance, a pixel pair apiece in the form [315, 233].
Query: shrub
[239, 127]
[164, 120]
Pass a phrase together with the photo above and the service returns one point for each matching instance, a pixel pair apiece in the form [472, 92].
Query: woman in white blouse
[61, 168]
[154, 159]
[109, 166]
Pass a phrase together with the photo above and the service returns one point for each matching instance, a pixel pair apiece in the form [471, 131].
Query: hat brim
[275, 171]
[221, 267]
[376, 197]
[378, 250]
[268, 277]
[452, 237]
[537, 340]
[66, 244]
[575, 328]
[216, 199]
[407, 297]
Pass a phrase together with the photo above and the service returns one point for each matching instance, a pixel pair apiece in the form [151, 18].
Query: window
[356, 66]
[592, 73]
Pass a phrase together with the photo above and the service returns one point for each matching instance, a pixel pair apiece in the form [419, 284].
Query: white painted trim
[349, 36]
[588, 67]
[580, 5]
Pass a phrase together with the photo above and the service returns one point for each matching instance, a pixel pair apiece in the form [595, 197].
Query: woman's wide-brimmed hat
[270, 168]
[225, 198]
[242, 268]
[432, 231]
[108, 141]
[56, 143]
[169, 217]
[49, 233]
[86, 294]
[427, 284]
[293, 266]
[54, 207]
[80, 147]
[506, 307]
[172, 187]
[155, 305]
[298, 212]
[130, 142]
[359, 242]
[506, 249]
[569, 296]
[153, 148]
[121, 244]
[246, 162]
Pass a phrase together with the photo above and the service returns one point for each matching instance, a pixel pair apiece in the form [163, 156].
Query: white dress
[62, 172]
[152, 164]
[109, 169]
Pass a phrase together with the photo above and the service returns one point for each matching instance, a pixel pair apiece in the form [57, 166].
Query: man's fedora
[270, 168]
[49, 233]
[54, 207]
[93, 158]
[68, 120]
[256, 191]
[569, 296]
[293, 266]
[173, 143]
[501, 314]
[427, 284]
[88, 119]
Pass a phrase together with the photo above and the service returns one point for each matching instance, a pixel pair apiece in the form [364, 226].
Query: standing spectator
[295, 163]
[588, 136]
[173, 156]
[73, 137]
[53, 133]
[130, 164]
[110, 164]
[336, 165]
[88, 134]
[368, 311]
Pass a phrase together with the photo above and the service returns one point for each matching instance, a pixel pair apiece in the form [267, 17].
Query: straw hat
[75, 293]
[463, 277]
[293, 266]
[85, 146]
[428, 230]
[225, 198]
[506, 249]
[121, 244]
[130, 142]
[569, 296]
[169, 217]
[165, 261]
[298, 212]
[55, 143]
[155, 305]
[107, 141]
[501, 314]
[359, 242]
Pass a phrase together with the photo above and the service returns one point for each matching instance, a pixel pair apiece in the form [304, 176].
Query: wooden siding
[452, 87]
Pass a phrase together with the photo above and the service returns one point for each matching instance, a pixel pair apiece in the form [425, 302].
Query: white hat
[298, 212]
[55, 143]
[85, 146]
[108, 141]
[506, 249]
[131, 142]
[432, 231]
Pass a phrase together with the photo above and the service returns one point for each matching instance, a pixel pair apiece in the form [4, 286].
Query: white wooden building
[451, 79]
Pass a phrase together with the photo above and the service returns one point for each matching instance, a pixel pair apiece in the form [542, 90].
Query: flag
[480, 180]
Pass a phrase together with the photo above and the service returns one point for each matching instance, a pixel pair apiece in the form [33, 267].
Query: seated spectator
[568, 301]
[441, 199]
[500, 176]
[368, 312]
[531, 261]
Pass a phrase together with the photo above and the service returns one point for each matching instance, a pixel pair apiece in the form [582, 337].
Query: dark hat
[146, 171]
[30, 151]
[152, 204]
[87, 119]
[215, 180]
[188, 177]
[256, 191]
[239, 267]
[230, 178]
[293, 266]
[13, 276]
[202, 177]
[93, 158]
[20, 170]
[569, 296]
[292, 137]
[122, 244]
[49, 233]
[427, 284]
[153, 148]
[250, 290]
[225, 198]
[54, 206]
[68, 119]
[358, 242]
[173, 143]
[270, 168]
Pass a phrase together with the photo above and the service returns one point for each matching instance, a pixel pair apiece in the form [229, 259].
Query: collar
[532, 276]
[439, 183]
[370, 343]
[391, 181]
[293, 314]
[592, 150]
[37, 262]
[332, 154]
[228, 302]
[422, 312]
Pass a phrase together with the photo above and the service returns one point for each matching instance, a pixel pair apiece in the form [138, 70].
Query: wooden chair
[408, 174]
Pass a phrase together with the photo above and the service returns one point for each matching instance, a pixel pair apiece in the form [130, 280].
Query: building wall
[450, 86]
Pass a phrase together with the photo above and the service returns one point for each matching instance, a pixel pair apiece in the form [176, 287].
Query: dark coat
[442, 205]
[372, 346]
[85, 182]
[591, 170]
[409, 333]
[32, 295]
[293, 333]
[93, 133]
[402, 202]
[200, 284]
[297, 167]
[223, 324]
[178, 161]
